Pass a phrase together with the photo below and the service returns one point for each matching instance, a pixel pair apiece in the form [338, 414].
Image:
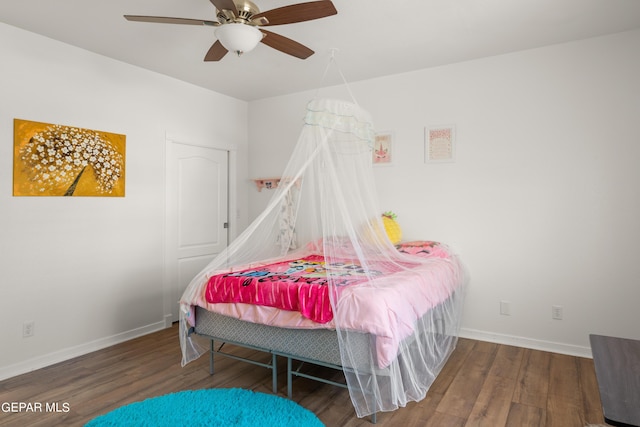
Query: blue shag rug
[233, 407]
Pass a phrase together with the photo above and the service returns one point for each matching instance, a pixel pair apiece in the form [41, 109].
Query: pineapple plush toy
[392, 227]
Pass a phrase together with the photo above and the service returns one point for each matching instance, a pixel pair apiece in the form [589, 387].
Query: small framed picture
[439, 144]
[383, 149]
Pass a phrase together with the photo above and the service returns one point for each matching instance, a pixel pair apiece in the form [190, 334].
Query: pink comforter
[387, 306]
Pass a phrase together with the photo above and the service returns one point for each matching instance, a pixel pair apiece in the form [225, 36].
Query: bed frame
[315, 346]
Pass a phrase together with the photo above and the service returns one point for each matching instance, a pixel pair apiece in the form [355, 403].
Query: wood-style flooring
[483, 384]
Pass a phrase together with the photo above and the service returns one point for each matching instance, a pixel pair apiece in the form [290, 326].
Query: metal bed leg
[211, 358]
[289, 379]
[274, 373]
[273, 366]
[290, 374]
[374, 416]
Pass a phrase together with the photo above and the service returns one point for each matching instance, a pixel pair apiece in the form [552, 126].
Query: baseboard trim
[554, 347]
[168, 320]
[79, 350]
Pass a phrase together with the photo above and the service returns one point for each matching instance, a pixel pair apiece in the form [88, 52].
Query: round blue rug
[232, 407]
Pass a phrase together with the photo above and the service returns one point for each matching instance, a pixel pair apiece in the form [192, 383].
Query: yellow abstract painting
[57, 160]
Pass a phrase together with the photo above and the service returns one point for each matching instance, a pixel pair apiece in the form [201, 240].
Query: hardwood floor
[482, 384]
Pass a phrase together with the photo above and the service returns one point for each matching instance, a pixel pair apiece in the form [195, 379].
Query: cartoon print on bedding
[297, 285]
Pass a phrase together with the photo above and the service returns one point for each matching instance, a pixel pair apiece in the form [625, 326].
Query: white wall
[89, 271]
[543, 201]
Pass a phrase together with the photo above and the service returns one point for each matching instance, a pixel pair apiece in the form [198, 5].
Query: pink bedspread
[294, 285]
[387, 306]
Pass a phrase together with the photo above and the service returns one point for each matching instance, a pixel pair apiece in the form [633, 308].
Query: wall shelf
[273, 183]
[268, 183]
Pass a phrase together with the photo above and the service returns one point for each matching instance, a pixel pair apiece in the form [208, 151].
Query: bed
[282, 307]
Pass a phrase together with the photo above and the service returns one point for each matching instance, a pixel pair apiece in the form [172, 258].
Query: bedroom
[541, 202]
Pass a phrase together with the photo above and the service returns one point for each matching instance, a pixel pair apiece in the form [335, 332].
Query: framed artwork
[383, 149]
[57, 160]
[439, 144]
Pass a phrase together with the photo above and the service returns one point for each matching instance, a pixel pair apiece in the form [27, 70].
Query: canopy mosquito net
[326, 204]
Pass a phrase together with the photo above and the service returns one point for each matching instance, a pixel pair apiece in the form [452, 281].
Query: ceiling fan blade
[286, 45]
[216, 52]
[225, 5]
[167, 20]
[296, 13]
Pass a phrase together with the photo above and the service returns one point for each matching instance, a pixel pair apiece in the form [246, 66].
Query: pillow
[391, 227]
[335, 243]
[423, 248]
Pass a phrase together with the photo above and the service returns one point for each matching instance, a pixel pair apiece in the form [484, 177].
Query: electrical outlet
[505, 308]
[28, 329]
[556, 312]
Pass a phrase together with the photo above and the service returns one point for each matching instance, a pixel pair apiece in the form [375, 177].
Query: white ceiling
[373, 37]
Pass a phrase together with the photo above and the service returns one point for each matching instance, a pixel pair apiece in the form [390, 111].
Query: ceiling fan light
[238, 38]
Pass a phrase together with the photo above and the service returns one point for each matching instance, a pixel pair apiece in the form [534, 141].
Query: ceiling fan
[239, 26]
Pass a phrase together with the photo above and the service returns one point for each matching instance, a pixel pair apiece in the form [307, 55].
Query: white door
[196, 212]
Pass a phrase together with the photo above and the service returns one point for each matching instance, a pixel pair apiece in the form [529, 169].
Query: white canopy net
[326, 204]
